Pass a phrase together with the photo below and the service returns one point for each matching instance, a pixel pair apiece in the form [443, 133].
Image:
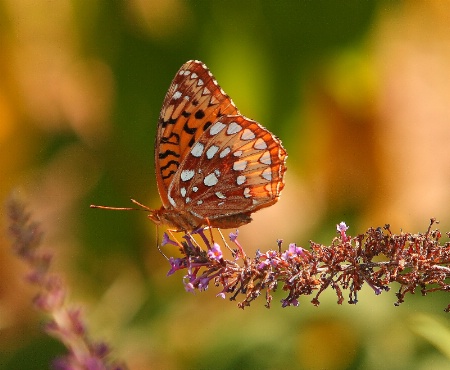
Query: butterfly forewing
[235, 167]
[192, 104]
[213, 165]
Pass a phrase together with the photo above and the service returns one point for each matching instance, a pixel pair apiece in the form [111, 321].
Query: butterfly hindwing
[236, 166]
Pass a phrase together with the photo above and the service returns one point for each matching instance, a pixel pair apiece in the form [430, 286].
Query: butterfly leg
[171, 231]
[210, 230]
[158, 245]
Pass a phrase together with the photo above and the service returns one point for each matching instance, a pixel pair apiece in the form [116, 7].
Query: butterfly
[213, 165]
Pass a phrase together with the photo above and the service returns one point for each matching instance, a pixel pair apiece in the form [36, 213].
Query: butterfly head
[155, 216]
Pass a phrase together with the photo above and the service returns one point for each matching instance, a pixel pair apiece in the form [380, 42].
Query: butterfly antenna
[141, 205]
[143, 208]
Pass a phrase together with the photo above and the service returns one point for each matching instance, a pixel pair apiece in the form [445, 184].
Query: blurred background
[359, 93]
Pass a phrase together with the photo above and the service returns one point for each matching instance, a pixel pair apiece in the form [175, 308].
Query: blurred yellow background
[359, 93]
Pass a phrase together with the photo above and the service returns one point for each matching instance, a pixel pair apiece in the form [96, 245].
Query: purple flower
[201, 232]
[342, 228]
[292, 252]
[289, 302]
[53, 296]
[215, 253]
[176, 263]
[203, 284]
[270, 259]
[189, 287]
[233, 236]
[263, 264]
[65, 322]
[166, 240]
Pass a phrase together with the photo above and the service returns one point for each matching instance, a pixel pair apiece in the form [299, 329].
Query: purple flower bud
[289, 302]
[342, 228]
[203, 284]
[233, 236]
[75, 316]
[189, 287]
[279, 243]
[101, 349]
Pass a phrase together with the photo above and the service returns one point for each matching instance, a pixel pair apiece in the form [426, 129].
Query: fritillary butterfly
[213, 165]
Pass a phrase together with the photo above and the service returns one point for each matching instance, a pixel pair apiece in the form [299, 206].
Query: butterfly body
[185, 221]
[213, 166]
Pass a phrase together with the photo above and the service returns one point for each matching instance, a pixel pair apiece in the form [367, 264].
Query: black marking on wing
[207, 125]
[176, 163]
[168, 175]
[212, 104]
[166, 140]
[199, 114]
[170, 121]
[167, 153]
[189, 130]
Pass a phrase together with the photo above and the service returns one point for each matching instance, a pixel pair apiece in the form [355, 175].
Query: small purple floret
[203, 284]
[166, 240]
[233, 236]
[176, 263]
[342, 228]
[189, 287]
[215, 253]
[292, 252]
[289, 302]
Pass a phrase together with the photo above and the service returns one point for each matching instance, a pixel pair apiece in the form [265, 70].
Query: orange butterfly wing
[192, 104]
[235, 167]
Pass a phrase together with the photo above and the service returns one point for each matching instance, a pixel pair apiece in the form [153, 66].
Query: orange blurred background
[359, 93]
